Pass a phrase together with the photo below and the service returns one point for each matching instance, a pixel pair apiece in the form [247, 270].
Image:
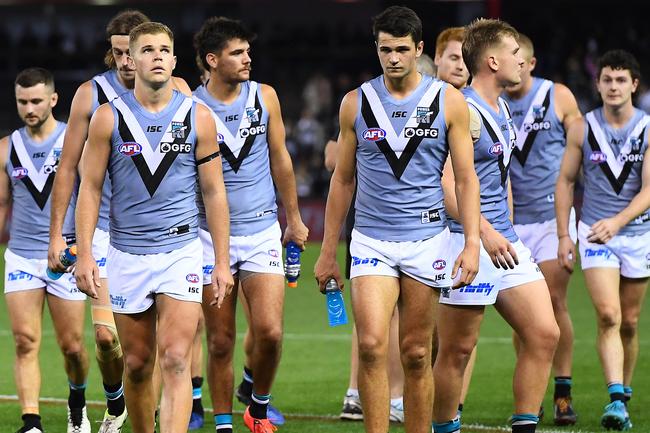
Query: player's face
[35, 104]
[154, 58]
[526, 69]
[397, 55]
[451, 67]
[616, 86]
[509, 60]
[120, 50]
[233, 63]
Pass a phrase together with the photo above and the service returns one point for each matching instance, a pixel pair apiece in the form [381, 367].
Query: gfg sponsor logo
[253, 130]
[175, 147]
[130, 149]
[625, 157]
[597, 157]
[537, 126]
[374, 134]
[421, 132]
[439, 265]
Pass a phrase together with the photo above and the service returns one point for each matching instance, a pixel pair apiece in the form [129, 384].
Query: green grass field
[313, 373]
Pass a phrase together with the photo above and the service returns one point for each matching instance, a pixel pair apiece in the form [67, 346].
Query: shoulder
[84, 94]
[563, 94]
[103, 118]
[4, 142]
[203, 113]
[182, 86]
[269, 95]
[576, 132]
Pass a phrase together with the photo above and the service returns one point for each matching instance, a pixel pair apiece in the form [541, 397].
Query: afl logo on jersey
[130, 149]
[496, 149]
[19, 172]
[192, 278]
[597, 157]
[220, 139]
[374, 134]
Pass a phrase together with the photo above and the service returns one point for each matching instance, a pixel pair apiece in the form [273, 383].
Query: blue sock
[627, 391]
[452, 426]
[223, 421]
[524, 423]
[616, 391]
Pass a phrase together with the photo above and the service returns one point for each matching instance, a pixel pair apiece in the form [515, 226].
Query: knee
[26, 344]
[221, 343]
[269, 337]
[371, 349]
[457, 353]
[105, 338]
[542, 338]
[72, 348]
[609, 318]
[415, 355]
[629, 327]
[174, 359]
[138, 366]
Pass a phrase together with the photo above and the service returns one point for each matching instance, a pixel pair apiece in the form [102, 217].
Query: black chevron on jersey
[236, 162]
[152, 180]
[503, 168]
[101, 96]
[522, 155]
[617, 183]
[40, 197]
[398, 165]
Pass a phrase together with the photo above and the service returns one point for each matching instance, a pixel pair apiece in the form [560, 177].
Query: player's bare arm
[66, 172]
[566, 106]
[466, 185]
[182, 86]
[216, 203]
[5, 184]
[564, 187]
[604, 230]
[282, 170]
[97, 150]
[340, 194]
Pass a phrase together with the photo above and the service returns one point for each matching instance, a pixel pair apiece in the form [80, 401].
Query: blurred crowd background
[313, 51]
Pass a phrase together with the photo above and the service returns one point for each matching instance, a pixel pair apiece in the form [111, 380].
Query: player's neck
[153, 99]
[225, 92]
[43, 131]
[618, 115]
[403, 87]
[488, 89]
[523, 90]
[127, 84]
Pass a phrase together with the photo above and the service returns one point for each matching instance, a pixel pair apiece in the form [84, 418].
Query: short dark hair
[620, 59]
[121, 25]
[32, 76]
[398, 21]
[480, 35]
[215, 33]
[149, 28]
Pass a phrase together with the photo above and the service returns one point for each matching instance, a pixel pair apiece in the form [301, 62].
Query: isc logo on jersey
[597, 157]
[130, 149]
[421, 132]
[496, 149]
[19, 172]
[253, 130]
[374, 134]
[175, 147]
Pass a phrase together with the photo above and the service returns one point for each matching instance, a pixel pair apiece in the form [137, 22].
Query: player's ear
[174, 63]
[212, 60]
[533, 63]
[635, 84]
[54, 99]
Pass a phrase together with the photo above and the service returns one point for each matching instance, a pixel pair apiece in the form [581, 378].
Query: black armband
[209, 158]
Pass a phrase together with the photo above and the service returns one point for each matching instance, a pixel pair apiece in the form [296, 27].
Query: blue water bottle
[68, 257]
[292, 264]
[335, 305]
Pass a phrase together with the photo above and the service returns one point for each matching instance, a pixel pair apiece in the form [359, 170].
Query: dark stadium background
[312, 52]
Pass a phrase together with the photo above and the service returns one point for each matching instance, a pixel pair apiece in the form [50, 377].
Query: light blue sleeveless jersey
[537, 155]
[401, 149]
[154, 176]
[31, 167]
[106, 87]
[241, 130]
[492, 155]
[612, 164]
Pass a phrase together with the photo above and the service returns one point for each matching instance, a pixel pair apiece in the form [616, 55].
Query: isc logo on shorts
[192, 278]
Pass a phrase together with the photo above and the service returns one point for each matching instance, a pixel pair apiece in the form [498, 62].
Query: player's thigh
[417, 305]
[373, 300]
[137, 332]
[26, 314]
[459, 326]
[67, 318]
[557, 278]
[265, 297]
[177, 323]
[528, 309]
[603, 285]
[632, 295]
[219, 320]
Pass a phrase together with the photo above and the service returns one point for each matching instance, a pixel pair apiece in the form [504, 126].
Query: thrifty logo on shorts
[429, 216]
[19, 275]
[485, 288]
[207, 269]
[118, 301]
[101, 262]
[364, 261]
[600, 252]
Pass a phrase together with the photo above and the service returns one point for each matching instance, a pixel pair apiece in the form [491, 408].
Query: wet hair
[214, 34]
[447, 35]
[620, 60]
[480, 35]
[121, 25]
[32, 76]
[398, 21]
